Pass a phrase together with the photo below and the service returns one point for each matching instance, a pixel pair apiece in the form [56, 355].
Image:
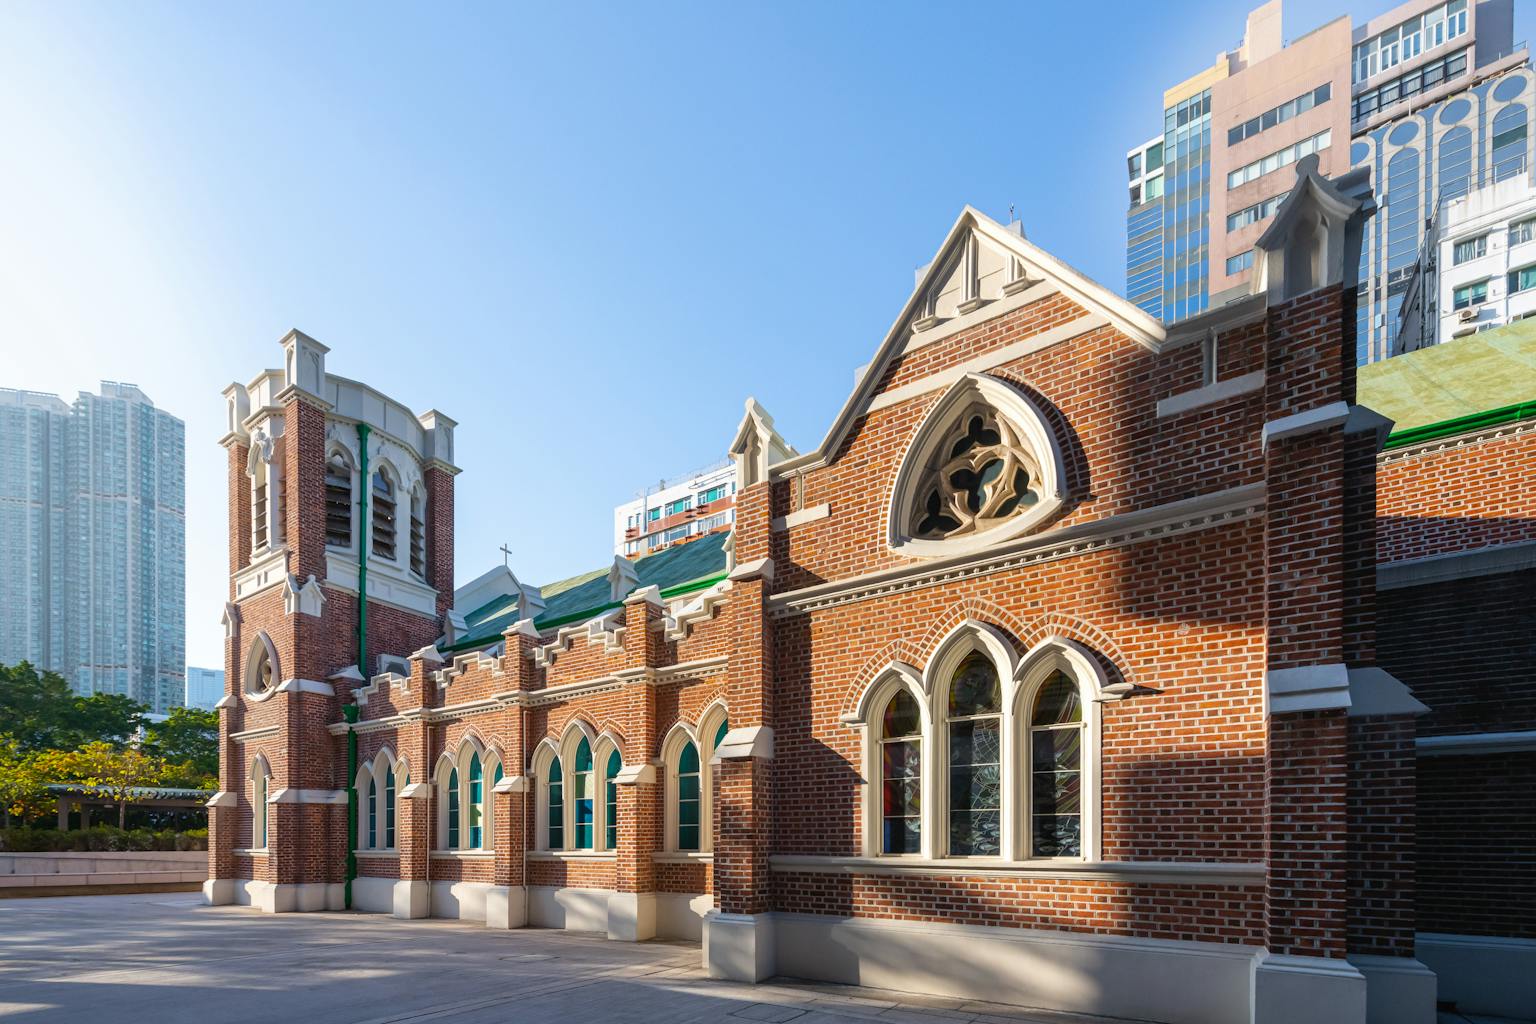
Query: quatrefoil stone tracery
[982, 474]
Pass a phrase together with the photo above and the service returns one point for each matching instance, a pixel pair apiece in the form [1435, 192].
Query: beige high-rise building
[1409, 94]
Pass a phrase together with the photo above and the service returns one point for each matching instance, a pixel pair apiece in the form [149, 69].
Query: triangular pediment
[982, 269]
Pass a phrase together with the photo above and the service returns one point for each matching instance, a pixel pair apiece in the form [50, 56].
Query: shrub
[100, 839]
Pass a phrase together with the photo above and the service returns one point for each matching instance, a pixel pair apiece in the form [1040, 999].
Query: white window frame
[607, 744]
[1471, 240]
[575, 731]
[351, 464]
[703, 738]
[1019, 679]
[458, 760]
[261, 806]
[264, 469]
[261, 645]
[371, 775]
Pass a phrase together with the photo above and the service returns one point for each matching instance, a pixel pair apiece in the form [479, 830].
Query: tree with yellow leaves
[23, 786]
[122, 774]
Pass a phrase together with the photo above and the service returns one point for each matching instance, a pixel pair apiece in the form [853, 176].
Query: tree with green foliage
[24, 791]
[122, 774]
[40, 712]
[188, 740]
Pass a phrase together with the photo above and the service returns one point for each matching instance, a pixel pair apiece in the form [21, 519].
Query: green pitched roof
[675, 570]
[1444, 389]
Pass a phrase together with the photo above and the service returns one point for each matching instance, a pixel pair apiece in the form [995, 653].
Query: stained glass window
[1056, 775]
[453, 809]
[688, 799]
[581, 780]
[975, 755]
[725, 727]
[389, 808]
[261, 811]
[476, 803]
[901, 775]
[611, 802]
[555, 820]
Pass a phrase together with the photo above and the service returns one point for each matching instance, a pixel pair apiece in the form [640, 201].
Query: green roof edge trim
[1462, 424]
[702, 583]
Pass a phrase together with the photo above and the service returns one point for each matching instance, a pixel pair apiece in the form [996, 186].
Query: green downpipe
[350, 711]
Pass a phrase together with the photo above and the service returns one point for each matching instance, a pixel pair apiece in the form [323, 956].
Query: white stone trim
[740, 947]
[1398, 989]
[1465, 744]
[1078, 972]
[224, 798]
[306, 686]
[1009, 404]
[760, 568]
[388, 583]
[989, 360]
[253, 734]
[267, 571]
[303, 599]
[1033, 291]
[600, 855]
[635, 774]
[1319, 990]
[1484, 974]
[1441, 444]
[470, 854]
[683, 857]
[746, 742]
[308, 796]
[779, 524]
[1210, 394]
[1375, 691]
[511, 784]
[1172, 519]
[701, 609]
[1298, 424]
[1235, 873]
[1306, 688]
[1456, 565]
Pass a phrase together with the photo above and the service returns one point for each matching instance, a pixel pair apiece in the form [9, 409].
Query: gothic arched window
[983, 467]
[975, 718]
[583, 795]
[1056, 770]
[383, 515]
[901, 775]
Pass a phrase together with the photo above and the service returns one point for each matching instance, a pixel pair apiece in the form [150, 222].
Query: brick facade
[1204, 586]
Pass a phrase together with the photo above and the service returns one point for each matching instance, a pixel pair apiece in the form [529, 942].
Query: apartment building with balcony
[1434, 96]
[676, 510]
[1477, 270]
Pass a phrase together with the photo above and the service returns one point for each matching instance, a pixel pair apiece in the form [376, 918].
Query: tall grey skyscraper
[93, 541]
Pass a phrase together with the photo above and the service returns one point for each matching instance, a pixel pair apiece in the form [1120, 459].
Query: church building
[1050, 676]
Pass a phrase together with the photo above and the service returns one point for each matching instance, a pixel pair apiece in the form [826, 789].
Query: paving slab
[166, 959]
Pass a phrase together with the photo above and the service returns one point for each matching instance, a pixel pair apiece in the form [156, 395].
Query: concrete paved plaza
[163, 958]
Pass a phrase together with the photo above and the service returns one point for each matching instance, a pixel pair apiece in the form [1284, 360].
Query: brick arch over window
[970, 609]
[1111, 658]
[854, 697]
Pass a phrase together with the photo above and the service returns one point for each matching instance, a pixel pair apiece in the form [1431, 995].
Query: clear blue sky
[587, 233]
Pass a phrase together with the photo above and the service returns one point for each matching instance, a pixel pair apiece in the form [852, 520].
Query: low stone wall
[51, 874]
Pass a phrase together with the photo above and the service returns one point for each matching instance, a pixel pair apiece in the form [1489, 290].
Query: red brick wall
[1381, 799]
[1462, 496]
[1476, 818]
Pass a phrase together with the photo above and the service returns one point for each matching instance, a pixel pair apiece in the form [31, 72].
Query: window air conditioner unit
[1467, 315]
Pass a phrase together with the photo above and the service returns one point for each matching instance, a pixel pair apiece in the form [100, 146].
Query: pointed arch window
[1056, 769]
[983, 467]
[453, 808]
[418, 533]
[583, 796]
[611, 801]
[371, 837]
[338, 501]
[383, 515]
[689, 797]
[476, 801]
[975, 758]
[901, 760]
[261, 787]
[260, 680]
[555, 803]
[389, 808]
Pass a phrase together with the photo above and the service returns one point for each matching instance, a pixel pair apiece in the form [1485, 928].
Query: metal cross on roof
[506, 557]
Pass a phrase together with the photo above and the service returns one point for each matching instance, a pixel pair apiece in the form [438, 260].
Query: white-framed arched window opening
[1057, 717]
[264, 467]
[418, 540]
[901, 775]
[378, 786]
[687, 754]
[260, 677]
[340, 503]
[583, 796]
[985, 755]
[261, 793]
[464, 782]
[383, 500]
[611, 763]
